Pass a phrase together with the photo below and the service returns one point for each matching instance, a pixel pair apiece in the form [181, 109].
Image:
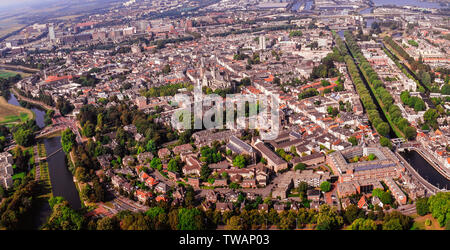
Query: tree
[352, 212]
[23, 137]
[383, 128]
[300, 166]
[234, 223]
[173, 165]
[239, 161]
[332, 111]
[325, 186]
[63, 217]
[363, 224]
[85, 192]
[205, 172]
[166, 69]
[430, 117]
[88, 129]
[68, 140]
[445, 90]
[353, 140]
[224, 175]
[107, 223]
[392, 225]
[98, 191]
[189, 219]
[150, 146]
[439, 206]
[328, 218]
[385, 142]
[308, 93]
[385, 197]
[410, 133]
[210, 155]
[156, 163]
[64, 106]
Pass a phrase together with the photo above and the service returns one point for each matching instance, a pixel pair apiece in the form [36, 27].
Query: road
[408, 209]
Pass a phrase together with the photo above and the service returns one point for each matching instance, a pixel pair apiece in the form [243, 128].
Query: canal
[60, 177]
[306, 6]
[380, 111]
[426, 95]
[425, 170]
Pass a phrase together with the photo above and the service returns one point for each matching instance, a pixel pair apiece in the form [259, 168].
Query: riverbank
[12, 114]
[22, 98]
[19, 67]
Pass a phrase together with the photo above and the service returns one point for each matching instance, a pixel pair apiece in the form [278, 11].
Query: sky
[14, 4]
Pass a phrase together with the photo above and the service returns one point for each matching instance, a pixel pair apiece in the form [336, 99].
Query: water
[426, 170]
[60, 177]
[307, 5]
[296, 6]
[366, 11]
[415, 3]
[369, 22]
[40, 114]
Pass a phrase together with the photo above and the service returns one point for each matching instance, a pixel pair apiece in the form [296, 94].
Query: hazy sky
[13, 4]
[7, 3]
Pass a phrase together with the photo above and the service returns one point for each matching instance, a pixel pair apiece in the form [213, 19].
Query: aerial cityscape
[225, 115]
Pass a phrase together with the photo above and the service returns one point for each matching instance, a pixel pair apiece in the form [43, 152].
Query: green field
[11, 114]
[4, 73]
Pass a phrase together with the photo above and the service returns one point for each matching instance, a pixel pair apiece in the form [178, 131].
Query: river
[60, 177]
[40, 114]
[306, 5]
[426, 170]
[415, 3]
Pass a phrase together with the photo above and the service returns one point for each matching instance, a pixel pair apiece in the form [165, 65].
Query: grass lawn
[13, 114]
[419, 223]
[4, 73]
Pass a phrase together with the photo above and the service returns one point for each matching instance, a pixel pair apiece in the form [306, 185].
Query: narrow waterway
[40, 114]
[425, 169]
[425, 96]
[366, 11]
[383, 117]
[302, 3]
[60, 177]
